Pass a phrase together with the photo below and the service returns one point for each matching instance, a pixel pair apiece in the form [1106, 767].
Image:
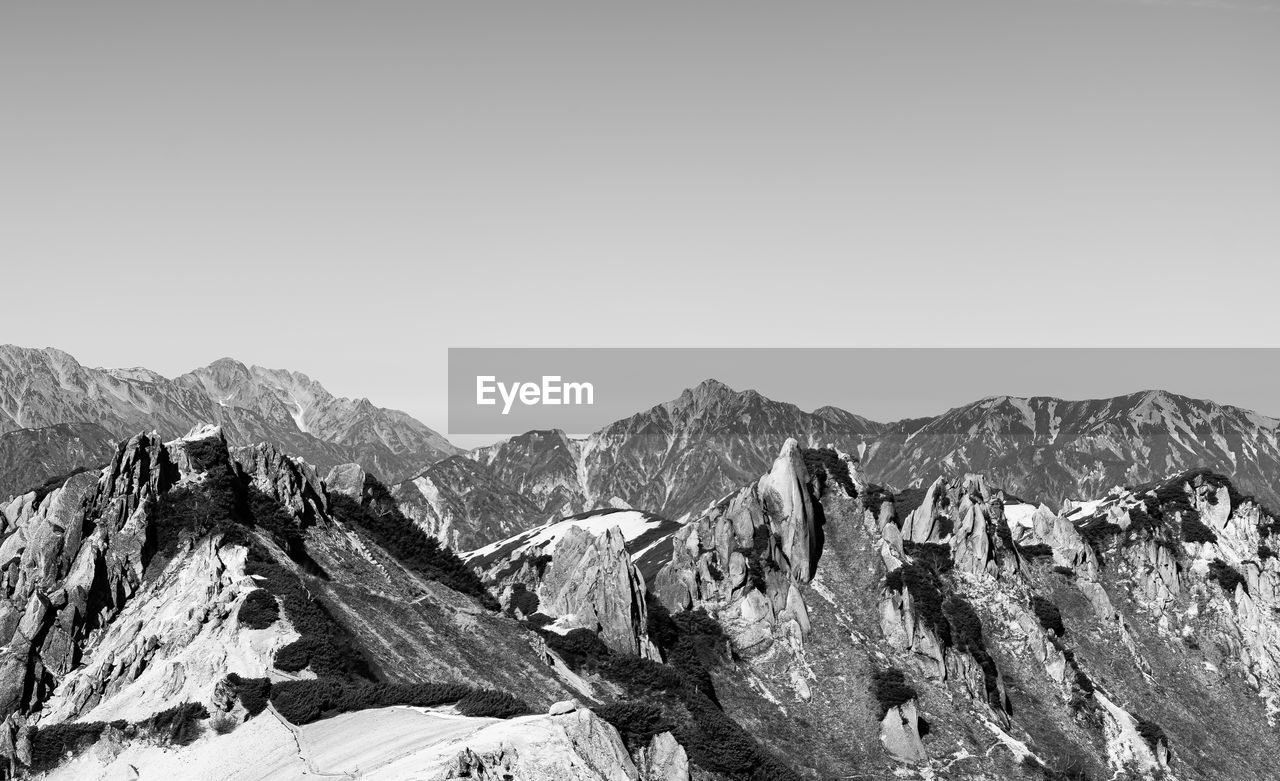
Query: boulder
[662, 760]
[900, 733]
[562, 707]
[347, 479]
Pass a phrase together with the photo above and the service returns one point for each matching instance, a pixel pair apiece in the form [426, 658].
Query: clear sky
[347, 189]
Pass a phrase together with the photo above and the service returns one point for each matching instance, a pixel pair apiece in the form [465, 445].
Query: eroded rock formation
[741, 560]
[591, 582]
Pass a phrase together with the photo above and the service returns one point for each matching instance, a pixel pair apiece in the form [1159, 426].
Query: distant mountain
[464, 504]
[541, 465]
[673, 459]
[387, 442]
[849, 420]
[680, 456]
[29, 456]
[47, 387]
[1050, 450]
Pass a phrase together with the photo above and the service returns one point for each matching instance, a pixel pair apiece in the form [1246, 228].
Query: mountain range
[677, 458]
[674, 459]
[723, 587]
[47, 389]
[1052, 450]
[198, 610]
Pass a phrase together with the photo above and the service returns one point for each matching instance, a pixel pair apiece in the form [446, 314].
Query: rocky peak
[292, 482]
[740, 561]
[707, 390]
[847, 419]
[786, 495]
[591, 582]
[103, 625]
[73, 561]
[224, 374]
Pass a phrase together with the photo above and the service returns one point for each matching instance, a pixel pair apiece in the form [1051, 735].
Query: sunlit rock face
[591, 582]
[742, 560]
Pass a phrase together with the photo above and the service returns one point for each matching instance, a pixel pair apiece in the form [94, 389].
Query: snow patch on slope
[1019, 514]
[632, 524]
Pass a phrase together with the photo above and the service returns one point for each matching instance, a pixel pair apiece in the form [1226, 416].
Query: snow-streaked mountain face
[1047, 449]
[463, 504]
[673, 459]
[680, 456]
[387, 442]
[144, 587]
[29, 456]
[541, 465]
[41, 388]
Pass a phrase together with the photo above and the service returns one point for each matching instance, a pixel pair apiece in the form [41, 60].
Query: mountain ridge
[808, 622]
[673, 458]
[47, 387]
[681, 454]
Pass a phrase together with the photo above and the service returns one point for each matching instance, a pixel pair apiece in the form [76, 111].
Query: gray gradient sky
[348, 189]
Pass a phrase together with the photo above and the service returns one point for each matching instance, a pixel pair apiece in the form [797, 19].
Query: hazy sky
[347, 189]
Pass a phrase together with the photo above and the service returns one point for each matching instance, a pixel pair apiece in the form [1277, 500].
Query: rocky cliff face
[74, 558]
[967, 634]
[463, 503]
[1094, 654]
[807, 622]
[581, 573]
[591, 582]
[960, 634]
[741, 560]
[44, 388]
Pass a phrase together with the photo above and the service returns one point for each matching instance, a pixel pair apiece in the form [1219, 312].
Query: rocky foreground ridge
[191, 605]
[202, 612]
[957, 633]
